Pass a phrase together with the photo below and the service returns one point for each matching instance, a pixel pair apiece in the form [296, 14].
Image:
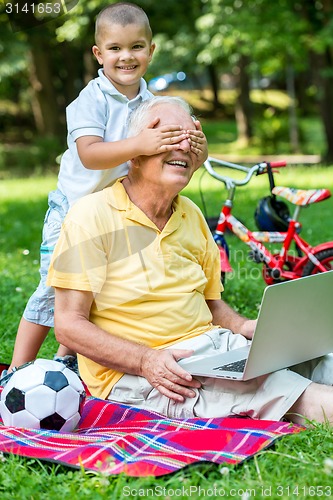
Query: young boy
[98, 151]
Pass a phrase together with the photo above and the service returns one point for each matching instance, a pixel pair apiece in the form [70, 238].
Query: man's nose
[184, 145]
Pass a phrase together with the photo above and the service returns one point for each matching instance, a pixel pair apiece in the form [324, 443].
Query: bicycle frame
[281, 266]
[256, 239]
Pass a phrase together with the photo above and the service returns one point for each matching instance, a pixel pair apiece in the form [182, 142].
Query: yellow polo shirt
[149, 286]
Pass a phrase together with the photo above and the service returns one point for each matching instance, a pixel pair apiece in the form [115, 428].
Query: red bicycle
[275, 225]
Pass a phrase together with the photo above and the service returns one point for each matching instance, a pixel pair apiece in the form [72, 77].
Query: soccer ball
[43, 394]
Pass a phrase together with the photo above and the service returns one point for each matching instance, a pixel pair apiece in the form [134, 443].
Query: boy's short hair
[122, 13]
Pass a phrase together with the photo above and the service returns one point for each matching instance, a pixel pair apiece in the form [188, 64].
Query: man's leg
[286, 393]
[316, 403]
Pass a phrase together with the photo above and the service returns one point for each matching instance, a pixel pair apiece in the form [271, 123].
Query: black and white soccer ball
[43, 394]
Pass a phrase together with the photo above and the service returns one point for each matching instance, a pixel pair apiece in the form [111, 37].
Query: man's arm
[227, 317]
[159, 367]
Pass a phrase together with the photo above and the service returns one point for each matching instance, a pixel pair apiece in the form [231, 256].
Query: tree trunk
[326, 104]
[213, 77]
[44, 99]
[323, 69]
[322, 66]
[293, 124]
[304, 102]
[91, 66]
[243, 109]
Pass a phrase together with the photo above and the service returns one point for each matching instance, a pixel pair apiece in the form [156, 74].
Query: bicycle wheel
[326, 259]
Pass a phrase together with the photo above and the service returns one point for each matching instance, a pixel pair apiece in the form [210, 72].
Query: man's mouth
[178, 163]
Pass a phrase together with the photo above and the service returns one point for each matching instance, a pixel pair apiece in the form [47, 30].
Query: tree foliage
[44, 67]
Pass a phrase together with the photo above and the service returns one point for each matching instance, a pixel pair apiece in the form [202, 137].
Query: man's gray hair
[141, 116]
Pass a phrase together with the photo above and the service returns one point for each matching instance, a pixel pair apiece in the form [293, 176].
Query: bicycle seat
[301, 196]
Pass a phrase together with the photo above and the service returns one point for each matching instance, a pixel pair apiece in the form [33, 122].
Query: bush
[272, 130]
[36, 158]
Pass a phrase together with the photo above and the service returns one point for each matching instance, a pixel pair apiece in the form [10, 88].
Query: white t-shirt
[99, 110]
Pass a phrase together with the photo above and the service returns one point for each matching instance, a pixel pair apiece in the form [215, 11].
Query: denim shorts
[266, 397]
[40, 307]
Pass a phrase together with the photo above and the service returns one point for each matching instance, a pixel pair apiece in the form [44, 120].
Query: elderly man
[137, 281]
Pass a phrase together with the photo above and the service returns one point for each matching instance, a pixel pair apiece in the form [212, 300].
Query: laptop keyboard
[237, 366]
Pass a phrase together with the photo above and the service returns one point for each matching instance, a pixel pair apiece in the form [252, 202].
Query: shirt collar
[118, 198]
[109, 88]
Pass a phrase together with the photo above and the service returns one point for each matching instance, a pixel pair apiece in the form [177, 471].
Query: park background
[259, 76]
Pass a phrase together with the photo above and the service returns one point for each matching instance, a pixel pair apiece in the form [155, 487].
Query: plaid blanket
[114, 438]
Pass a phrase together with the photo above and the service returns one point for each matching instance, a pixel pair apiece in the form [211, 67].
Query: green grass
[301, 461]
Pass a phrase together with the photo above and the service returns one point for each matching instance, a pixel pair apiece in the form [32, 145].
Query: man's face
[172, 169]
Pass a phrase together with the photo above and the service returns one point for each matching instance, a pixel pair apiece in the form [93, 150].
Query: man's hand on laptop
[162, 371]
[247, 328]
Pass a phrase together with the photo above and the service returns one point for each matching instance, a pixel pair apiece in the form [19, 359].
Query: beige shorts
[266, 397]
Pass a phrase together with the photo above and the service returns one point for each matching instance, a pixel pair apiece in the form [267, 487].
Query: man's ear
[134, 162]
[97, 53]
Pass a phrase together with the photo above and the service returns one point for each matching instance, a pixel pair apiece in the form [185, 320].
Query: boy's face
[124, 53]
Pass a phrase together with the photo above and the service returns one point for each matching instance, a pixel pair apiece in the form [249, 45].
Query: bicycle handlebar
[258, 169]
[276, 164]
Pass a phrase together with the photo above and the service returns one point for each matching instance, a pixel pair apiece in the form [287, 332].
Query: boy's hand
[153, 140]
[198, 142]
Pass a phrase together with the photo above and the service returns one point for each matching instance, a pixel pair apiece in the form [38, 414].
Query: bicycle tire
[223, 278]
[326, 259]
[212, 223]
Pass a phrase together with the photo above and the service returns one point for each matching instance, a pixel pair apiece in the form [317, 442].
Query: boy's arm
[96, 154]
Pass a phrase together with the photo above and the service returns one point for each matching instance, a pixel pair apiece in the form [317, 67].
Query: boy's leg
[29, 339]
[37, 318]
[64, 351]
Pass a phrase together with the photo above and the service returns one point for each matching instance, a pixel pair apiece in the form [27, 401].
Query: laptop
[295, 324]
